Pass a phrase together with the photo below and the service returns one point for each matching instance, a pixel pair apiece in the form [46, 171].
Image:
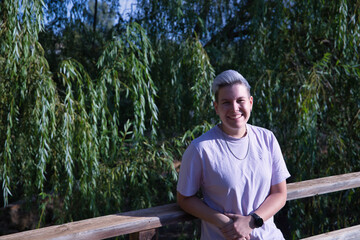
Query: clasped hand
[238, 229]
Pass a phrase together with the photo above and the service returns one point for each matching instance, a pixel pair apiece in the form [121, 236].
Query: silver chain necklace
[247, 151]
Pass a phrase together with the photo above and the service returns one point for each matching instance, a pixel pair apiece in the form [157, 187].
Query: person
[238, 167]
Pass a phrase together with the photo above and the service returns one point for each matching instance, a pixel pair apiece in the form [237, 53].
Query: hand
[238, 228]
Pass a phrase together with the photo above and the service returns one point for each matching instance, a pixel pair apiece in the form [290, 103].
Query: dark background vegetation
[97, 105]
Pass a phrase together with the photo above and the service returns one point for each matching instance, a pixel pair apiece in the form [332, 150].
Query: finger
[230, 215]
[228, 227]
[228, 233]
[231, 234]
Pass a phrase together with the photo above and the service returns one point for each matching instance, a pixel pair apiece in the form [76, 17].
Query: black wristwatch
[258, 220]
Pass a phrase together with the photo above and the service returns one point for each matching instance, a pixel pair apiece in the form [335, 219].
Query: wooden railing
[143, 224]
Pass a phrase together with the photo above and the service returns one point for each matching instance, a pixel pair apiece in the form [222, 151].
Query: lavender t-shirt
[230, 185]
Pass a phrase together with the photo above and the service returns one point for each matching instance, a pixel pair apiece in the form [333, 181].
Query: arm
[199, 209]
[272, 204]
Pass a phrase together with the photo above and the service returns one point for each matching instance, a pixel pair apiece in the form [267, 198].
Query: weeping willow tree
[86, 144]
[26, 129]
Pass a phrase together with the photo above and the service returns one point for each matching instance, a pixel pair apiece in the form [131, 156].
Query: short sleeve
[190, 172]
[279, 169]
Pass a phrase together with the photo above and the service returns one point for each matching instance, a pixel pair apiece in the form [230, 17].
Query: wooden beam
[108, 226]
[151, 234]
[146, 219]
[323, 185]
[350, 233]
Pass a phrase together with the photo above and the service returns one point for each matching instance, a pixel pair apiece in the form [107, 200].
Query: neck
[240, 133]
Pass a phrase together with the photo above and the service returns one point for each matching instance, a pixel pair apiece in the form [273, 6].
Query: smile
[235, 117]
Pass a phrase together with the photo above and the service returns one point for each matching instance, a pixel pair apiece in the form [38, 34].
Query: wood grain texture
[146, 219]
[108, 226]
[151, 234]
[350, 233]
[323, 185]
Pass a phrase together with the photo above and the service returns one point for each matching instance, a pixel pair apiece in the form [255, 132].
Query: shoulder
[262, 135]
[206, 138]
[260, 131]
[199, 146]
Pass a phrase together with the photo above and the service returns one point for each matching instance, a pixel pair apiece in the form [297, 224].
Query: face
[234, 107]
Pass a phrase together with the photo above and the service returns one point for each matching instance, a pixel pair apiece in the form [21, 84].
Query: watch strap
[258, 220]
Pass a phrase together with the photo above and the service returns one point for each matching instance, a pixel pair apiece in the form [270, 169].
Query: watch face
[259, 222]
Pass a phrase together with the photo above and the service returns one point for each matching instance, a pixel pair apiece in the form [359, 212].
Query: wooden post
[151, 234]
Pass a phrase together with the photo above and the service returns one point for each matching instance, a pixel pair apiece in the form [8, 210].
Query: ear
[251, 102]
[216, 107]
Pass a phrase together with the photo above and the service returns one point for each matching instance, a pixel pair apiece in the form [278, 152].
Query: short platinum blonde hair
[226, 78]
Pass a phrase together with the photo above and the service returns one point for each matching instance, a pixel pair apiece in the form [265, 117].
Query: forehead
[236, 90]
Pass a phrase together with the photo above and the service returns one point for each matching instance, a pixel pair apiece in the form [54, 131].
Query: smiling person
[239, 169]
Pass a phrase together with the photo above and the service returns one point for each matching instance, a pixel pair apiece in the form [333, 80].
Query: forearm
[199, 209]
[274, 202]
[270, 207]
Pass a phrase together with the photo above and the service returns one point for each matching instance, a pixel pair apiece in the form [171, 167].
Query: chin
[235, 127]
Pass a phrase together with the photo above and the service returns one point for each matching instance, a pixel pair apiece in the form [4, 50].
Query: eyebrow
[228, 99]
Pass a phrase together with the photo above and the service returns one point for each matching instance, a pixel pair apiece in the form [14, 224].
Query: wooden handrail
[108, 226]
[145, 219]
[350, 233]
[323, 185]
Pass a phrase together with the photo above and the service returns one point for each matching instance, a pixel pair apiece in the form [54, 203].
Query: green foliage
[24, 80]
[132, 56]
[63, 139]
[183, 75]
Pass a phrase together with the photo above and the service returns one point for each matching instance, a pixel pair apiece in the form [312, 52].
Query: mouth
[235, 117]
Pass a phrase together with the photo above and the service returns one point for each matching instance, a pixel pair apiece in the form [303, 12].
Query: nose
[235, 106]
